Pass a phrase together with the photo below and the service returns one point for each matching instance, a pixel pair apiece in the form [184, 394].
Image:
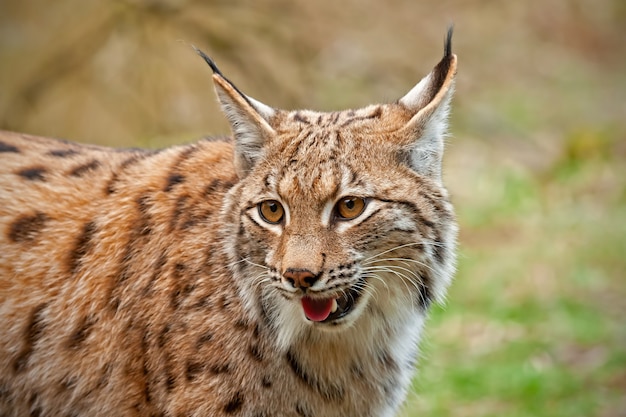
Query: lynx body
[286, 271]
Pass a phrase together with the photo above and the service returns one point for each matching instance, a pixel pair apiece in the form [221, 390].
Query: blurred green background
[536, 163]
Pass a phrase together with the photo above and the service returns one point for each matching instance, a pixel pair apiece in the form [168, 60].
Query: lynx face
[325, 234]
[341, 216]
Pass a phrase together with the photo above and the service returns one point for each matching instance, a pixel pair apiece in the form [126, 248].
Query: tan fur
[145, 283]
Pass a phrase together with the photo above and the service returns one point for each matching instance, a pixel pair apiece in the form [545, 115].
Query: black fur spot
[143, 203]
[68, 383]
[36, 326]
[178, 212]
[178, 295]
[219, 186]
[256, 353]
[131, 160]
[5, 147]
[114, 303]
[387, 361]
[82, 246]
[164, 336]
[179, 270]
[190, 222]
[376, 114]
[352, 118]
[147, 392]
[436, 201]
[357, 370]
[220, 368]
[203, 303]
[225, 302]
[182, 287]
[424, 296]
[26, 227]
[204, 339]
[83, 169]
[172, 180]
[170, 380]
[63, 153]
[266, 382]
[143, 227]
[145, 369]
[438, 248]
[214, 186]
[303, 410]
[423, 220]
[193, 370]
[157, 270]
[32, 174]
[124, 272]
[234, 404]
[105, 375]
[110, 187]
[175, 178]
[33, 399]
[32, 334]
[242, 324]
[299, 118]
[81, 333]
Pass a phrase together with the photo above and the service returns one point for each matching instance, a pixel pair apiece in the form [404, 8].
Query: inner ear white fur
[264, 110]
[429, 101]
[415, 99]
[426, 152]
[425, 132]
[250, 123]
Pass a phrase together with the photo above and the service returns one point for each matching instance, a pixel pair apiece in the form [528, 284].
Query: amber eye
[271, 211]
[349, 208]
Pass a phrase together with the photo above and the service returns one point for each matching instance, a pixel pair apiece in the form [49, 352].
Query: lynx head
[341, 216]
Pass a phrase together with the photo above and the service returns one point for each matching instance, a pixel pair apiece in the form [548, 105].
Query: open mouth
[330, 309]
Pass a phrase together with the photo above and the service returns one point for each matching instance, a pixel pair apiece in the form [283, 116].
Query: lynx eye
[271, 211]
[349, 208]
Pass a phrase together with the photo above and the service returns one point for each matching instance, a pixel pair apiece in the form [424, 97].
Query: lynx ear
[429, 102]
[249, 119]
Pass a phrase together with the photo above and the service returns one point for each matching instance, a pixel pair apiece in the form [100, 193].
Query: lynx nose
[300, 278]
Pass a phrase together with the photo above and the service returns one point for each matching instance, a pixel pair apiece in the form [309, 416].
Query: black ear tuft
[217, 71]
[209, 61]
[447, 46]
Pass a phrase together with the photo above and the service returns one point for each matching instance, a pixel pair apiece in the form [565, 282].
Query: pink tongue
[317, 310]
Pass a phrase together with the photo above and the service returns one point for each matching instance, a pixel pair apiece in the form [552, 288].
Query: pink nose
[300, 278]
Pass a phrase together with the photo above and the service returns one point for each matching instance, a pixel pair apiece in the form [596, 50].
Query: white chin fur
[290, 322]
[360, 327]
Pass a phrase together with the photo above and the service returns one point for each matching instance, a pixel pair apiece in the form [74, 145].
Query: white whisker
[404, 260]
[406, 245]
[401, 268]
[248, 261]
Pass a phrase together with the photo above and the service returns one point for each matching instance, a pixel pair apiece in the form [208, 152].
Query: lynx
[286, 271]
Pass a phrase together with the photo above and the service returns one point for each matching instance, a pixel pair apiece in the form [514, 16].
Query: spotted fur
[147, 283]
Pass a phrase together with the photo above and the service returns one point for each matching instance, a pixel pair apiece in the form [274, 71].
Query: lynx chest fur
[286, 271]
